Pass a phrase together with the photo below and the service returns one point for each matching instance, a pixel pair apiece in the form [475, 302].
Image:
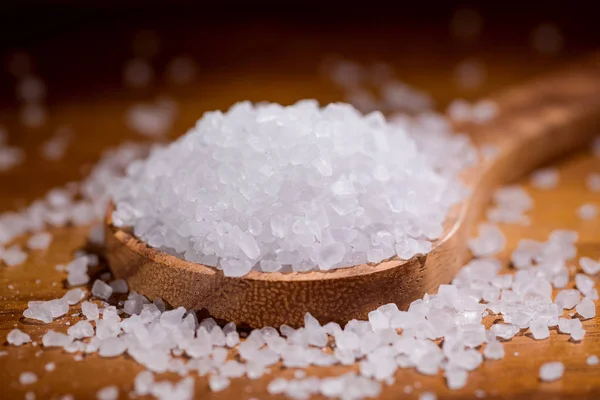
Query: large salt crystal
[13, 256]
[546, 178]
[585, 284]
[491, 241]
[17, 337]
[108, 393]
[119, 286]
[112, 346]
[539, 329]
[551, 371]
[74, 296]
[456, 378]
[218, 383]
[593, 360]
[567, 298]
[304, 207]
[27, 378]
[504, 331]
[587, 308]
[39, 241]
[587, 211]
[589, 266]
[56, 339]
[81, 329]
[90, 310]
[101, 290]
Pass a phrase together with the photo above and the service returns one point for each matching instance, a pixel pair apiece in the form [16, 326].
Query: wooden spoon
[537, 121]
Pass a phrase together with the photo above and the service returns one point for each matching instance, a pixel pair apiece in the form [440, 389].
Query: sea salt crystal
[539, 330]
[101, 290]
[182, 70]
[589, 266]
[587, 211]
[13, 256]
[90, 310]
[17, 337]
[585, 284]
[56, 339]
[493, 351]
[504, 331]
[39, 241]
[484, 111]
[137, 73]
[470, 74]
[80, 330]
[55, 148]
[50, 367]
[568, 326]
[112, 347]
[108, 393]
[592, 360]
[10, 157]
[74, 296]
[119, 286]
[491, 241]
[567, 299]
[546, 178]
[456, 378]
[427, 396]
[218, 383]
[552, 371]
[587, 308]
[152, 119]
[592, 181]
[27, 378]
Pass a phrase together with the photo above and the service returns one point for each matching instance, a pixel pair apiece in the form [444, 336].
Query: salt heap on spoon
[292, 188]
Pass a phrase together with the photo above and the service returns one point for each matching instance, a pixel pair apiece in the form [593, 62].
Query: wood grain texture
[97, 118]
[537, 121]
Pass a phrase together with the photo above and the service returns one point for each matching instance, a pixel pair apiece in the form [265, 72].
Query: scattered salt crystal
[546, 178]
[587, 308]
[29, 396]
[589, 266]
[552, 371]
[470, 74]
[494, 351]
[592, 360]
[112, 347]
[427, 396]
[10, 157]
[81, 329]
[101, 289]
[592, 182]
[137, 73]
[182, 70]
[27, 378]
[504, 331]
[33, 115]
[56, 339]
[567, 299]
[74, 296]
[50, 367]
[456, 378]
[585, 284]
[39, 241]
[491, 241]
[119, 286]
[151, 119]
[218, 383]
[547, 39]
[539, 330]
[90, 310]
[108, 393]
[587, 211]
[13, 256]
[55, 148]
[484, 111]
[17, 337]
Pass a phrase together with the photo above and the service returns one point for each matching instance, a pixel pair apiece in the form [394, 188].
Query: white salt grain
[552, 371]
[90, 310]
[592, 360]
[81, 329]
[546, 178]
[182, 70]
[39, 241]
[592, 182]
[218, 383]
[55, 148]
[589, 266]
[587, 211]
[27, 378]
[17, 337]
[493, 351]
[587, 308]
[56, 339]
[108, 393]
[484, 111]
[427, 396]
[74, 296]
[29, 396]
[585, 284]
[137, 73]
[119, 286]
[101, 289]
[152, 120]
[13, 256]
[50, 367]
[567, 299]
[491, 241]
[10, 157]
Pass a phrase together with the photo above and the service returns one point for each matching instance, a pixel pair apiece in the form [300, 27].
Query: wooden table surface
[97, 116]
